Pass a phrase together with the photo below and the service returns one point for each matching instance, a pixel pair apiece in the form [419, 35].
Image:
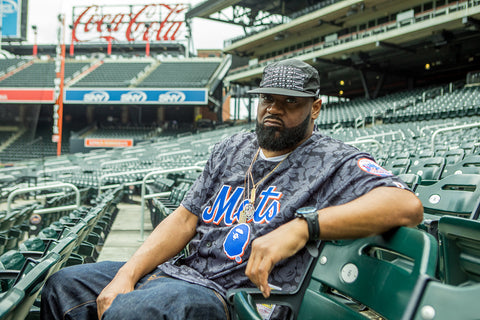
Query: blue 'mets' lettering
[224, 205]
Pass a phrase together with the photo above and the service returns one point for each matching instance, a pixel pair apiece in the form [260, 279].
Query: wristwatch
[310, 215]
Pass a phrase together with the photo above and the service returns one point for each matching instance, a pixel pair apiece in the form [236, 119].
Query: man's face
[283, 122]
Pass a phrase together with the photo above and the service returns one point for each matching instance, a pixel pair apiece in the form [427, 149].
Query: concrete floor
[124, 237]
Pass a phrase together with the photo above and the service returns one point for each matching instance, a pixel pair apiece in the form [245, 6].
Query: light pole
[109, 39]
[147, 46]
[71, 43]
[35, 48]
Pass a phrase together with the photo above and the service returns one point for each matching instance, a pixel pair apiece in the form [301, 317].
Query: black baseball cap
[290, 77]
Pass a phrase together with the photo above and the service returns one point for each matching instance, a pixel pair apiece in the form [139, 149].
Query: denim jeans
[71, 293]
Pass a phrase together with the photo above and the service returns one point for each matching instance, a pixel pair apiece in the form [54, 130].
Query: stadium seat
[374, 277]
[470, 164]
[430, 169]
[17, 301]
[412, 180]
[455, 296]
[456, 195]
[398, 166]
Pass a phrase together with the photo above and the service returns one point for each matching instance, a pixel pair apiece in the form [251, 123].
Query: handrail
[173, 153]
[382, 135]
[12, 169]
[144, 197]
[46, 187]
[119, 174]
[464, 126]
[376, 142]
[71, 168]
[433, 126]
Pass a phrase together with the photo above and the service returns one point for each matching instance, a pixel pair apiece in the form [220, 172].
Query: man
[240, 216]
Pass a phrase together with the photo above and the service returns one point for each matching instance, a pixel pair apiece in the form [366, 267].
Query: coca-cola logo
[171, 97]
[156, 22]
[133, 96]
[96, 96]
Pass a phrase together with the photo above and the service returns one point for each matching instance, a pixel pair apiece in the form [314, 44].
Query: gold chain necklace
[249, 208]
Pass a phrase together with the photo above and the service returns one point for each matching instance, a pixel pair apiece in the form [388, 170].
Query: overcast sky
[206, 34]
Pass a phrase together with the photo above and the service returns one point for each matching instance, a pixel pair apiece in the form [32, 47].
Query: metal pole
[153, 173]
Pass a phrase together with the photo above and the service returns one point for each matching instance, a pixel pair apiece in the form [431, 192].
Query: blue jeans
[71, 293]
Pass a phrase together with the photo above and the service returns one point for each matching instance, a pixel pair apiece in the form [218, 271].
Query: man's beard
[288, 137]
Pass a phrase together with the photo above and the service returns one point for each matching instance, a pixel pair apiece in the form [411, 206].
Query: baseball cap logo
[290, 77]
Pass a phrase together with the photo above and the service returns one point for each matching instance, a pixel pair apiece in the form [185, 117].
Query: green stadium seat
[469, 165]
[428, 168]
[456, 295]
[17, 301]
[456, 195]
[412, 180]
[398, 166]
[375, 276]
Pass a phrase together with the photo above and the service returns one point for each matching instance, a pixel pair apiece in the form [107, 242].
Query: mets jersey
[322, 172]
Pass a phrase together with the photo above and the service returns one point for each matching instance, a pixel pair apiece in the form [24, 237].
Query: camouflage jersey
[322, 172]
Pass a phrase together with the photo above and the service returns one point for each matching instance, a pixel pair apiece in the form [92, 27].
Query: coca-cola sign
[154, 22]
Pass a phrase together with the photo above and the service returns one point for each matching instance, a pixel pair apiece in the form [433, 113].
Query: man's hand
[118, 285]
[273, 247]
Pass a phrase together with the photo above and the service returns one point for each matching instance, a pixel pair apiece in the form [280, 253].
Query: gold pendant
[249, 211]
[243, 217]
[253, 194]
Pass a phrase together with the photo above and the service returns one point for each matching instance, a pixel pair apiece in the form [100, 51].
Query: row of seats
[390, 276]
[435, 168]
[75, 238]
[179, 74]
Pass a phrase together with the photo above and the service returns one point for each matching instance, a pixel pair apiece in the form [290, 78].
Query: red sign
[107, 143]
[156, 22]
[27, 95]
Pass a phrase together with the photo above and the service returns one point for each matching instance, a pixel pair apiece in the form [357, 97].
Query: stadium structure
[130, 115]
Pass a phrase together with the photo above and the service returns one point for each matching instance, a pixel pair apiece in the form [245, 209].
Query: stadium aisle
[123, 239]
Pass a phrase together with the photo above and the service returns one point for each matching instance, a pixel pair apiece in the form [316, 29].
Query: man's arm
[379, 210]
[168, 239]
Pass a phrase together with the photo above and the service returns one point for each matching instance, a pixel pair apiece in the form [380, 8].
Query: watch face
[306, 210]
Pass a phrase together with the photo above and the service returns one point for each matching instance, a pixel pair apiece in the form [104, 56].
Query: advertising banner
[40, 95]
[172, 96]
[13, 14]
[107, 143]
[155, 22]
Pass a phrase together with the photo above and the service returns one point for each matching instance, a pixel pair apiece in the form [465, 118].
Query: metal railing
[46, 187]
[150, 196]
[465, 126]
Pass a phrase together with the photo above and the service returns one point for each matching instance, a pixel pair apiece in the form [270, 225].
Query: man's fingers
[258, 269]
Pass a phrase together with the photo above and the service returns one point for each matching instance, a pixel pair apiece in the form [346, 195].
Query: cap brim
[283, 92]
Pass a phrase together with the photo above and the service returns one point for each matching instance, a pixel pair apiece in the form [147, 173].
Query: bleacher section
[112, 74]
[40, 74]
[180, 75]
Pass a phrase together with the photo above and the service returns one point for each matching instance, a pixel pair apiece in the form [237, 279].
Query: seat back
[456, 195]
[456, 295]
[64, 248]
[469, 165]
[376, 275]
[17, 301]
[459, 250]
[428, 168]
[411, 180]
[398, 166]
